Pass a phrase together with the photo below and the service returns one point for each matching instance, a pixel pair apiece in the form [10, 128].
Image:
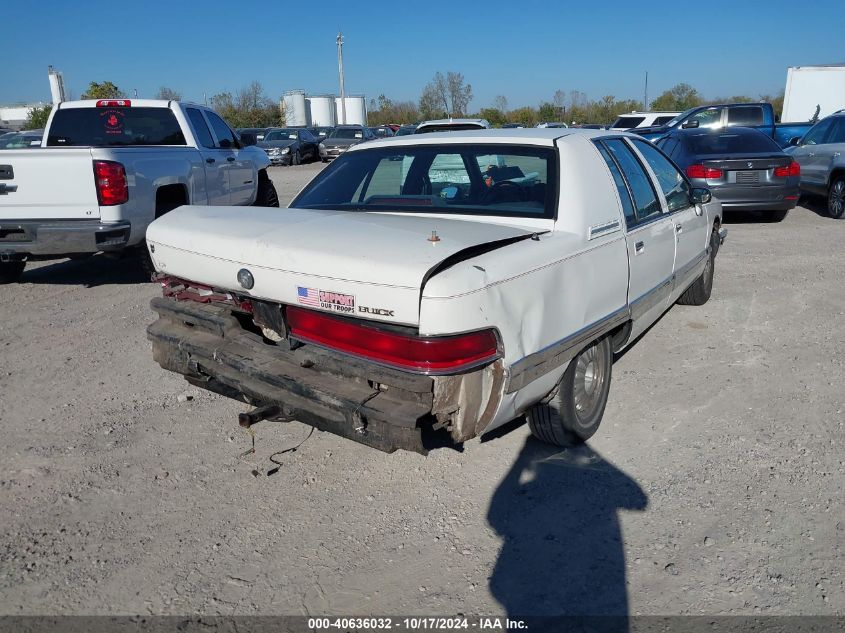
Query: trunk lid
[750, 169]
[369, 265]
[47, 184]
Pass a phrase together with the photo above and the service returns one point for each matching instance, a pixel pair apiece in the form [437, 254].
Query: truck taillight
[114, 103]
[794, 169]
[700, 171]
[427, 355]
[110, 177]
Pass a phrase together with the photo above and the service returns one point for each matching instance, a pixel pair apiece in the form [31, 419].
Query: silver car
[821, 154]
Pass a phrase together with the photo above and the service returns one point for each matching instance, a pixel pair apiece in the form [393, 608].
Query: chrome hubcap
[590, 372]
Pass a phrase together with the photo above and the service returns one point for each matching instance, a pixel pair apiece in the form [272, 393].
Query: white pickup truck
[404, 305]
[109, 167]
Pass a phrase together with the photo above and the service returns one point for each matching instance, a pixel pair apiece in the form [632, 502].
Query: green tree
[526, 116]
[680, 97]
[37, 117]
[250, 107]
[496, 117]
[547, 111]
[105, 90]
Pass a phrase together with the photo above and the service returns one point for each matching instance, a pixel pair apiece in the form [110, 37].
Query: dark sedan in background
[745, 169]
[258, 132]
[342, 138]
[25, 139]
[290, 146]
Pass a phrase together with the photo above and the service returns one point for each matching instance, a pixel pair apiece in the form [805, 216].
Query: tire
[699, 291]
[777, 216]
[10, 272]
[573, 412]
[266, 196]
[836, 198]
[297, 159]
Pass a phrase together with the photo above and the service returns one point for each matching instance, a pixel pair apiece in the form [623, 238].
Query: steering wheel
[500, 187]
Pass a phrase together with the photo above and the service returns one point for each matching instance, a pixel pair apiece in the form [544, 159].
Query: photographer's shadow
[562, 551]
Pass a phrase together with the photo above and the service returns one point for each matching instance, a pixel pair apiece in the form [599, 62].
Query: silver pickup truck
[109, 167]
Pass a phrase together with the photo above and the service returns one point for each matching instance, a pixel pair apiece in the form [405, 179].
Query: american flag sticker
[308, 296]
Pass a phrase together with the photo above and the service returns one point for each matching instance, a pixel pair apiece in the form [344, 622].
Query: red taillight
[114, 103]
[794, 169]
[700, 171]
[111, 183]
[429, 355]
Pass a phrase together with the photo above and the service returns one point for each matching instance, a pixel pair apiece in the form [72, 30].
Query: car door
[650, 236]
[707, 118]
[307, 144]
[691, 225]
[240, 170]
[809, 156]
[216, 183]
[831, 150]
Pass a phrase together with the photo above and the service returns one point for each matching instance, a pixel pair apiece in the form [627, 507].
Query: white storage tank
[323, 111]
[356, 110]
[296, 110]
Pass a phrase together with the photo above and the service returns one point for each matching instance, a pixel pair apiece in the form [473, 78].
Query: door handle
[210, 161]
[231, 159]
[679, 228]
[836, 154]
[639, 247]
[811, 153]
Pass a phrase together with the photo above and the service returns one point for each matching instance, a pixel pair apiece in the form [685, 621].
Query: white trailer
[812, 87]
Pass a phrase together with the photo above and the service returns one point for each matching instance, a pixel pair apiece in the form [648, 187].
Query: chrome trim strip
[539, 363]
[691, 270]
[651, 298]
[603, 229]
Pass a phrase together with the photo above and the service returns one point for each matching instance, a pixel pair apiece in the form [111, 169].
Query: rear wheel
[836, 198]
[699, 292]
[777, 216]
[10, 272]
[266, 196]
[573, 412]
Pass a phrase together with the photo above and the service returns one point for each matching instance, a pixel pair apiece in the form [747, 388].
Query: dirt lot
[714, 485]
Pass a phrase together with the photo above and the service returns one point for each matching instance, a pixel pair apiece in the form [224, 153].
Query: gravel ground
[714, 485]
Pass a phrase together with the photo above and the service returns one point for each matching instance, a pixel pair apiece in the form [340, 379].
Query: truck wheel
[10, 272]
[266, 196]
[836, 199]
[148, 269]
[574, 411]
[699, 291]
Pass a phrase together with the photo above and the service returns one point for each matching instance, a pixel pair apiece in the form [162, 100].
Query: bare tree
[460, 94]
[500, 103]
[168, 93]
[434, 99]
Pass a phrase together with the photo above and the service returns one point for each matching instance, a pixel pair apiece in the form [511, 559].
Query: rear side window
[837, 134]
[114, 127]
[745, 115]
[200, 127]
[663, 120]
[645, 198]
[628, 122]
[621, 187]
[736, 142]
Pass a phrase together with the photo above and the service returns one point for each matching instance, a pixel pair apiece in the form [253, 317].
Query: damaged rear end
[385, 387]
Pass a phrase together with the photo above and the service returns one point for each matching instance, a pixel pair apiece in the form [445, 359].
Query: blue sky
[523, 49]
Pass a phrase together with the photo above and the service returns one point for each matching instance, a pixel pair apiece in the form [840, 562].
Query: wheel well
[619, 337]
[839, 172]
[168, 197]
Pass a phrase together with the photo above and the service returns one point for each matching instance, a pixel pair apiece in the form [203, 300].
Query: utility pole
[340, 72]
[645, 96]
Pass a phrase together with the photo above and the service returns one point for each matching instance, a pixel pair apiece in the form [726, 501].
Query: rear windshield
[459, 179]
[750, 142]
[114, 127]
[628, 122]
[347, 132]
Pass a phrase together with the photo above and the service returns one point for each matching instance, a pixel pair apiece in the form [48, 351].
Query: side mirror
[700, 195]
[247, 139]
[689, 124]
[794, 141]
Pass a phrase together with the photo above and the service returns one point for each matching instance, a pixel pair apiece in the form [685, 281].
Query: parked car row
[21, 140]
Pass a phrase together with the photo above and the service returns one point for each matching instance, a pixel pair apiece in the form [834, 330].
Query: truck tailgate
[54, 184]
